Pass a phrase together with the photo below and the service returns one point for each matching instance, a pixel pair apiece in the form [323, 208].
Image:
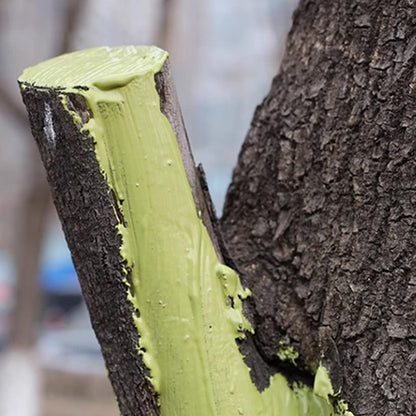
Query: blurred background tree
[223, 54]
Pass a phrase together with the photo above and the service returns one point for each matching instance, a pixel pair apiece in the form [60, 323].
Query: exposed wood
[320, 215]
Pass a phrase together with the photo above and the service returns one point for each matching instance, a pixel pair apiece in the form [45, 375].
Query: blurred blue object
[7, 277]
[57, 272]
[60, 278]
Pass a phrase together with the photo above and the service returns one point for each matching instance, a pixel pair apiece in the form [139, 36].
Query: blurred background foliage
[224, 55]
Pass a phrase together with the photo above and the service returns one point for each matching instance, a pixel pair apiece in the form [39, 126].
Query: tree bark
[320, 215]
[318, 219]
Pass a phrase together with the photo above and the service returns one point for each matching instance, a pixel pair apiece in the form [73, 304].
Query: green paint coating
[287, 353]
[187, 325]
[322, 385]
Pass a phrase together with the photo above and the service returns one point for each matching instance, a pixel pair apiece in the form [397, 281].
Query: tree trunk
[320, 215]
[318, 218]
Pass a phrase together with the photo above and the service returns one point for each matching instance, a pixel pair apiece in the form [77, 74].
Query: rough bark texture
[320, 216]
[87, 211]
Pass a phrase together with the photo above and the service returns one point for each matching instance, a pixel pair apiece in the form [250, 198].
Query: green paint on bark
[287, 353]
[187, 324]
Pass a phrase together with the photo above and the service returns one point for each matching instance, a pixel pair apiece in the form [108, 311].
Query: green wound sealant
[187, 324]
